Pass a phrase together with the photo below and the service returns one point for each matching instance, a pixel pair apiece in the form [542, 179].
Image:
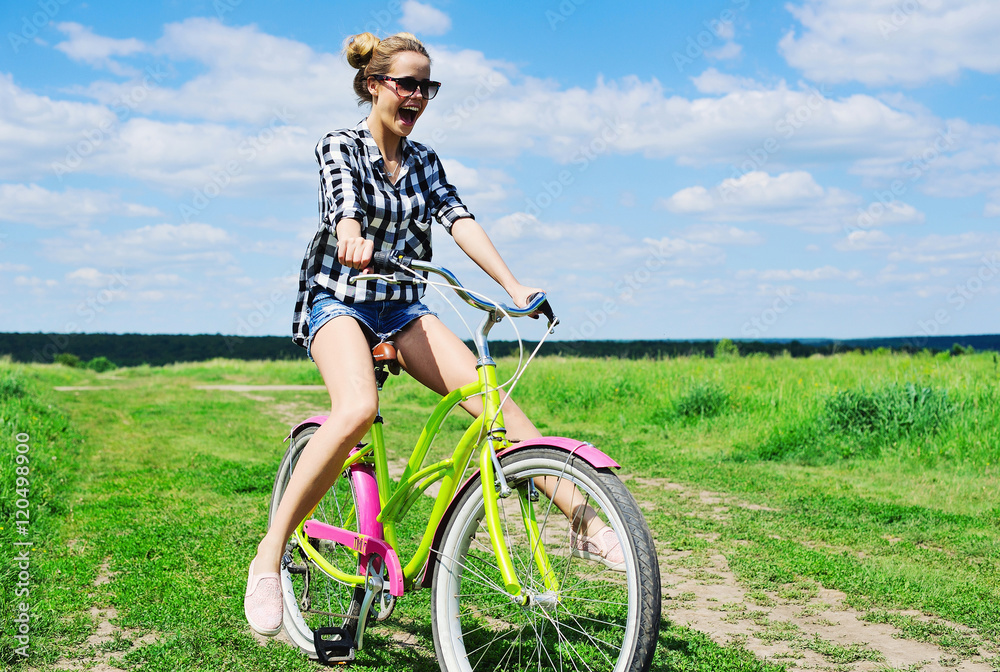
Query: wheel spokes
[580, 627]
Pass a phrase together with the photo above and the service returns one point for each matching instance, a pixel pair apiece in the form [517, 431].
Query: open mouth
[408, 114]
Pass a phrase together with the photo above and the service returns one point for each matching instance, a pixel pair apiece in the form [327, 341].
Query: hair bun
[360, 48]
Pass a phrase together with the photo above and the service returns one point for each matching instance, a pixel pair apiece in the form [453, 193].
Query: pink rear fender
[586, 451]
[314, 421]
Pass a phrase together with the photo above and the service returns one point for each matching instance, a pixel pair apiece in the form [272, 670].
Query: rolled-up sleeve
[445, 205]
[340, 194]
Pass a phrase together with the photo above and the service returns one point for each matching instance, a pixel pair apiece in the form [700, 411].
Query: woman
[379, 190]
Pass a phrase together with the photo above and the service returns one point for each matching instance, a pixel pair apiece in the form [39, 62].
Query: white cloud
[727, 52]
[32, 204]
[683, 253]
[522, 225]
[599, 251]
[792, 199]
[720, 234]
[38, 131]
[884, 42]
[93, 278]
[273, 156]
[247, 76]
[95, 50]
[864, 240]
[690, 200]
[965, 249]
[712, 81]
[512, 226]
[890, 275]
[814, 275]
[32, 282]
[149, 247]
[252, 75]
[212, 158]
[761, 189]
[885, 213]
[250, 120]
[481, 189]
[596, 261]
[424, 19]
[725, 30]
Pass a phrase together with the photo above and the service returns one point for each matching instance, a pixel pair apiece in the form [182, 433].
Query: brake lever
[388, 279]
[397, 278]
[545, 309]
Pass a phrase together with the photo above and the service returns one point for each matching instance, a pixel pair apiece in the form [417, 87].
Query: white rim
[449, 606]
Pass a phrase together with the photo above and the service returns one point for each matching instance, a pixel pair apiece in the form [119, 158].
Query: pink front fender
[594, 456]
[586, 451]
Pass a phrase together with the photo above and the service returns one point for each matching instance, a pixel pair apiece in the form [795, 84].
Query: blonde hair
[372, 56]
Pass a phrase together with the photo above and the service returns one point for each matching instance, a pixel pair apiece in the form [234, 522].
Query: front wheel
[599, 613]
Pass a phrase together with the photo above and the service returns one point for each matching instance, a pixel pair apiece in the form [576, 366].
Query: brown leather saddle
[384, 358]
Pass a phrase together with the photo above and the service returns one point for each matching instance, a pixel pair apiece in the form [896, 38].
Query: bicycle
[511, 586]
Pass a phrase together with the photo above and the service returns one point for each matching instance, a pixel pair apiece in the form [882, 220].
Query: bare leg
[341, 352]
[432, 354]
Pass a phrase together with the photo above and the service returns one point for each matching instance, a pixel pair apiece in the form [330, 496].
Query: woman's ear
[372, 85]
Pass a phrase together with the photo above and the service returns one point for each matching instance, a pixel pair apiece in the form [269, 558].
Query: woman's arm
[474, 241]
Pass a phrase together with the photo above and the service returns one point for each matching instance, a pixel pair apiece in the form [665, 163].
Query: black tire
[599, 619]
[311, 598]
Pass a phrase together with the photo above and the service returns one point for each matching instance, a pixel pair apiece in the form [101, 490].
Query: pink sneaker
[603, 547]
[262, 602]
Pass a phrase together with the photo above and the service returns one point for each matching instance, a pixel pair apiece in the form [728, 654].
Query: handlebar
[390, 262]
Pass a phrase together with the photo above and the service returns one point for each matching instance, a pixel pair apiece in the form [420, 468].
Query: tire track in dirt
[96, 657]
[708, 597]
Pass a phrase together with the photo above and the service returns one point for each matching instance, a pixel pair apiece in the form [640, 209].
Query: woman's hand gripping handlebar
[386, 263]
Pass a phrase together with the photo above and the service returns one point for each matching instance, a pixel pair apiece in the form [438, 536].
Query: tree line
[161, 349]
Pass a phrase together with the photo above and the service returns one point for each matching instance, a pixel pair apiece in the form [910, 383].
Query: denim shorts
[380, 320]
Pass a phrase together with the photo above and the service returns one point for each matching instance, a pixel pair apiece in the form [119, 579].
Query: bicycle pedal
[334, 645]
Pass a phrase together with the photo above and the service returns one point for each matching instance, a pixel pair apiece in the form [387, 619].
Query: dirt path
[95, 655]
[709, 598]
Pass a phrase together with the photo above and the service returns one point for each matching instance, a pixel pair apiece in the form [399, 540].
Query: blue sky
[731, 168]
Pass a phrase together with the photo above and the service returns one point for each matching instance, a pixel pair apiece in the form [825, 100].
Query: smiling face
[396, 113]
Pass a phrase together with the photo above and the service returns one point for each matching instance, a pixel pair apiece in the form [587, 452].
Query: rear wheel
[311, 598]
[598, 618]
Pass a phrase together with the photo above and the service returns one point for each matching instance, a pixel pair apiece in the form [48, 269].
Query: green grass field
[795, 504]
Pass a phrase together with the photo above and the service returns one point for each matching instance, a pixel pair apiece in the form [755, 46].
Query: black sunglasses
[407, 86]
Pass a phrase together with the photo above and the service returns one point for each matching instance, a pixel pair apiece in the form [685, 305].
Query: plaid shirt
[355, 184]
